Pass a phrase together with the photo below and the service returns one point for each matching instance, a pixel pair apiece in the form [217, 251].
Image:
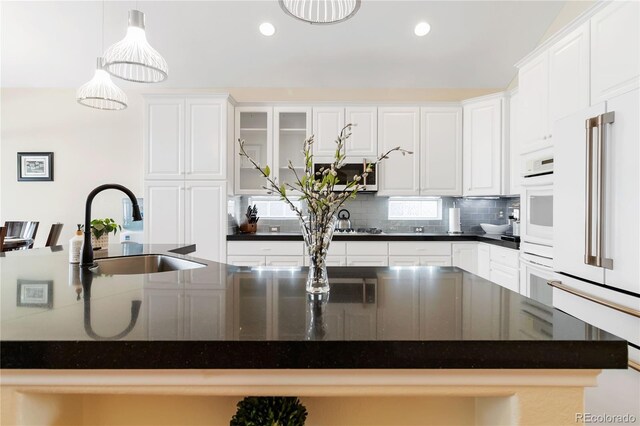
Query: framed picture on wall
[35, 166]
[35, 293]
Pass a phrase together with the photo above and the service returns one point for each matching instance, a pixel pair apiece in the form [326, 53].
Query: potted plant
[270, 411]
[100, 230]
[320, 198]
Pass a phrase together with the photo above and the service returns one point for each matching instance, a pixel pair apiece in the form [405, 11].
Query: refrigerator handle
[590, 124]
[603, 120]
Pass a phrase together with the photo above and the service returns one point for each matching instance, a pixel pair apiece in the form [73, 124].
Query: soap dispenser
[75, 245]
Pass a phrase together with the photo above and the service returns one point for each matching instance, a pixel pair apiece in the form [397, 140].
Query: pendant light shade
[133, 58]
[100, 92]
[321, 11]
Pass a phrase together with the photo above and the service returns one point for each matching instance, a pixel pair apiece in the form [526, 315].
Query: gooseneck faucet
[87, 249]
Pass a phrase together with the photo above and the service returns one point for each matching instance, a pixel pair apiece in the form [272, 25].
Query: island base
[336, 397]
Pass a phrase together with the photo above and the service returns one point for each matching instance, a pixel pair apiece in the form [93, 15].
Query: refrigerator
[596, 217]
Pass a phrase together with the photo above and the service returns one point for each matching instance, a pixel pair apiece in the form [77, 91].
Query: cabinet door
[441, 151]
[569, 75]
[399, 306]
[205, 315]
[465, 256]
[515, 175]
[399, 174]
[508, 278]
[284, 261]
[327, 124]
[615, 50]
[292, 126]
[533, 85]
[206, 138]
[164, 212]
[360, 322]
[254, 125]
[484, 261]
[363, 142]
[164, 138]
[482, 147]
[441, 306]
[206, 219]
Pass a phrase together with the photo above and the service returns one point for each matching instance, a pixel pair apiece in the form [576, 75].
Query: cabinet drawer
[284, 261]
[337, 248]
[505, 276]
[367, 261]
[505, 256]
[404, 260]
[265, 248]
[366, 248]
[435, 260]
[419, 248]
[246, 260]
[330, 260]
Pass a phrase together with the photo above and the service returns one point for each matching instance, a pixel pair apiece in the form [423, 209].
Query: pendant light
[320, 11]
[100, 92]
[133, 58]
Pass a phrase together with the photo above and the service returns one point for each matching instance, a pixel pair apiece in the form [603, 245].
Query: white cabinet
[400, 174]
[186, 137]
[187, 212]
[254, 125]
[441, 307]
[465, 256]
[398, 313]
[484, 261]
[483, 138]
[275, 254]
[504, 267]
[419, 260]
[284, 261]
[515, 175]
[440, 151]
[568, 75]
[327, 124]
[533, 86]
[292, 126]
[363, 142]
[615, 50]
[378, 260]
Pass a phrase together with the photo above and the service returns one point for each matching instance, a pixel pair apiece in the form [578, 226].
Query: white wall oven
[535, 273]
[537, 199]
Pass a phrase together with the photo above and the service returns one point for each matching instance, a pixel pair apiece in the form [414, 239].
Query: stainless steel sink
[143, 264]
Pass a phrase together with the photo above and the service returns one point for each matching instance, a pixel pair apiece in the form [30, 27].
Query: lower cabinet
[265, 253]
[500, 265]
[419, 260]
[465, 256]
[368, 260]
[484, 261]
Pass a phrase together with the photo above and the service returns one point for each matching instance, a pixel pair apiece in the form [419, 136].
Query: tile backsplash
[370, 211]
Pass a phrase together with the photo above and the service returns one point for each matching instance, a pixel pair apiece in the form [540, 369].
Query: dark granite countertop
[410, 236]
[226, 317]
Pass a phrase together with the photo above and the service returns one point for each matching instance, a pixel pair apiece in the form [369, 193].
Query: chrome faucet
[87, 249]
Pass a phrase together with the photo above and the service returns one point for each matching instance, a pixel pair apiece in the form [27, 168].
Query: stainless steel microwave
[348, 171]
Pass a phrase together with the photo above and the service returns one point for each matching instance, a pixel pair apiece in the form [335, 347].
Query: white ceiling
[472, 44]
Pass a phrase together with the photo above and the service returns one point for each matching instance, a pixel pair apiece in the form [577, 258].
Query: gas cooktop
[352, 231]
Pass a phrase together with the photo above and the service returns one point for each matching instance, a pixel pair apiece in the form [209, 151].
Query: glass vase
[317, 231]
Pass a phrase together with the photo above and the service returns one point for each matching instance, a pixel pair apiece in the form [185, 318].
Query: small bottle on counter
[75, 245]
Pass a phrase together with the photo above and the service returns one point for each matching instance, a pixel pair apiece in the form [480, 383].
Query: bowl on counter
[494, 229]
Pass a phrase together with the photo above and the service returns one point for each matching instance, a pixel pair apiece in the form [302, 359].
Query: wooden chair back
[3, 233]
[54, 234]
[22, 229]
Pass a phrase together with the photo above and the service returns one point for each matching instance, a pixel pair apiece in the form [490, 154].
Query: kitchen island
[429, 343]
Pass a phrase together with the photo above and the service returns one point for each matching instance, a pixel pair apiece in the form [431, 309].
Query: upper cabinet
[440, 151]
[186, 137]
[515, 173]
[615, 50]
[399, 174]
[534, 103]
[254, 125]
[483, 136]
[292, 125]
[329, 121]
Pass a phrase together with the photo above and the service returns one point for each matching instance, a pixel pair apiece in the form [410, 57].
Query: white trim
[498, 95]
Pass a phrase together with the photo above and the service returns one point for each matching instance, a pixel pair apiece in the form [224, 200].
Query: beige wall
[93, 147]
[90, 148]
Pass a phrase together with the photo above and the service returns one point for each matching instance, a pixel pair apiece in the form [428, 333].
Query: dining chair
[22, 229]
[54, 234]
[3, 233]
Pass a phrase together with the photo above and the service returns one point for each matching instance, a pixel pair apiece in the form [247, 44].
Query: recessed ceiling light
[267, 29]
[422, 29]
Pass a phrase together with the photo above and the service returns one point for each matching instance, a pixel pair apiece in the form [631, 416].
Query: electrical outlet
[274, 228]
[418, 229]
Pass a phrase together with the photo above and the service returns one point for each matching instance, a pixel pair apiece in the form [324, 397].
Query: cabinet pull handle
[598, 300]
[603, 119]
[590, 124]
